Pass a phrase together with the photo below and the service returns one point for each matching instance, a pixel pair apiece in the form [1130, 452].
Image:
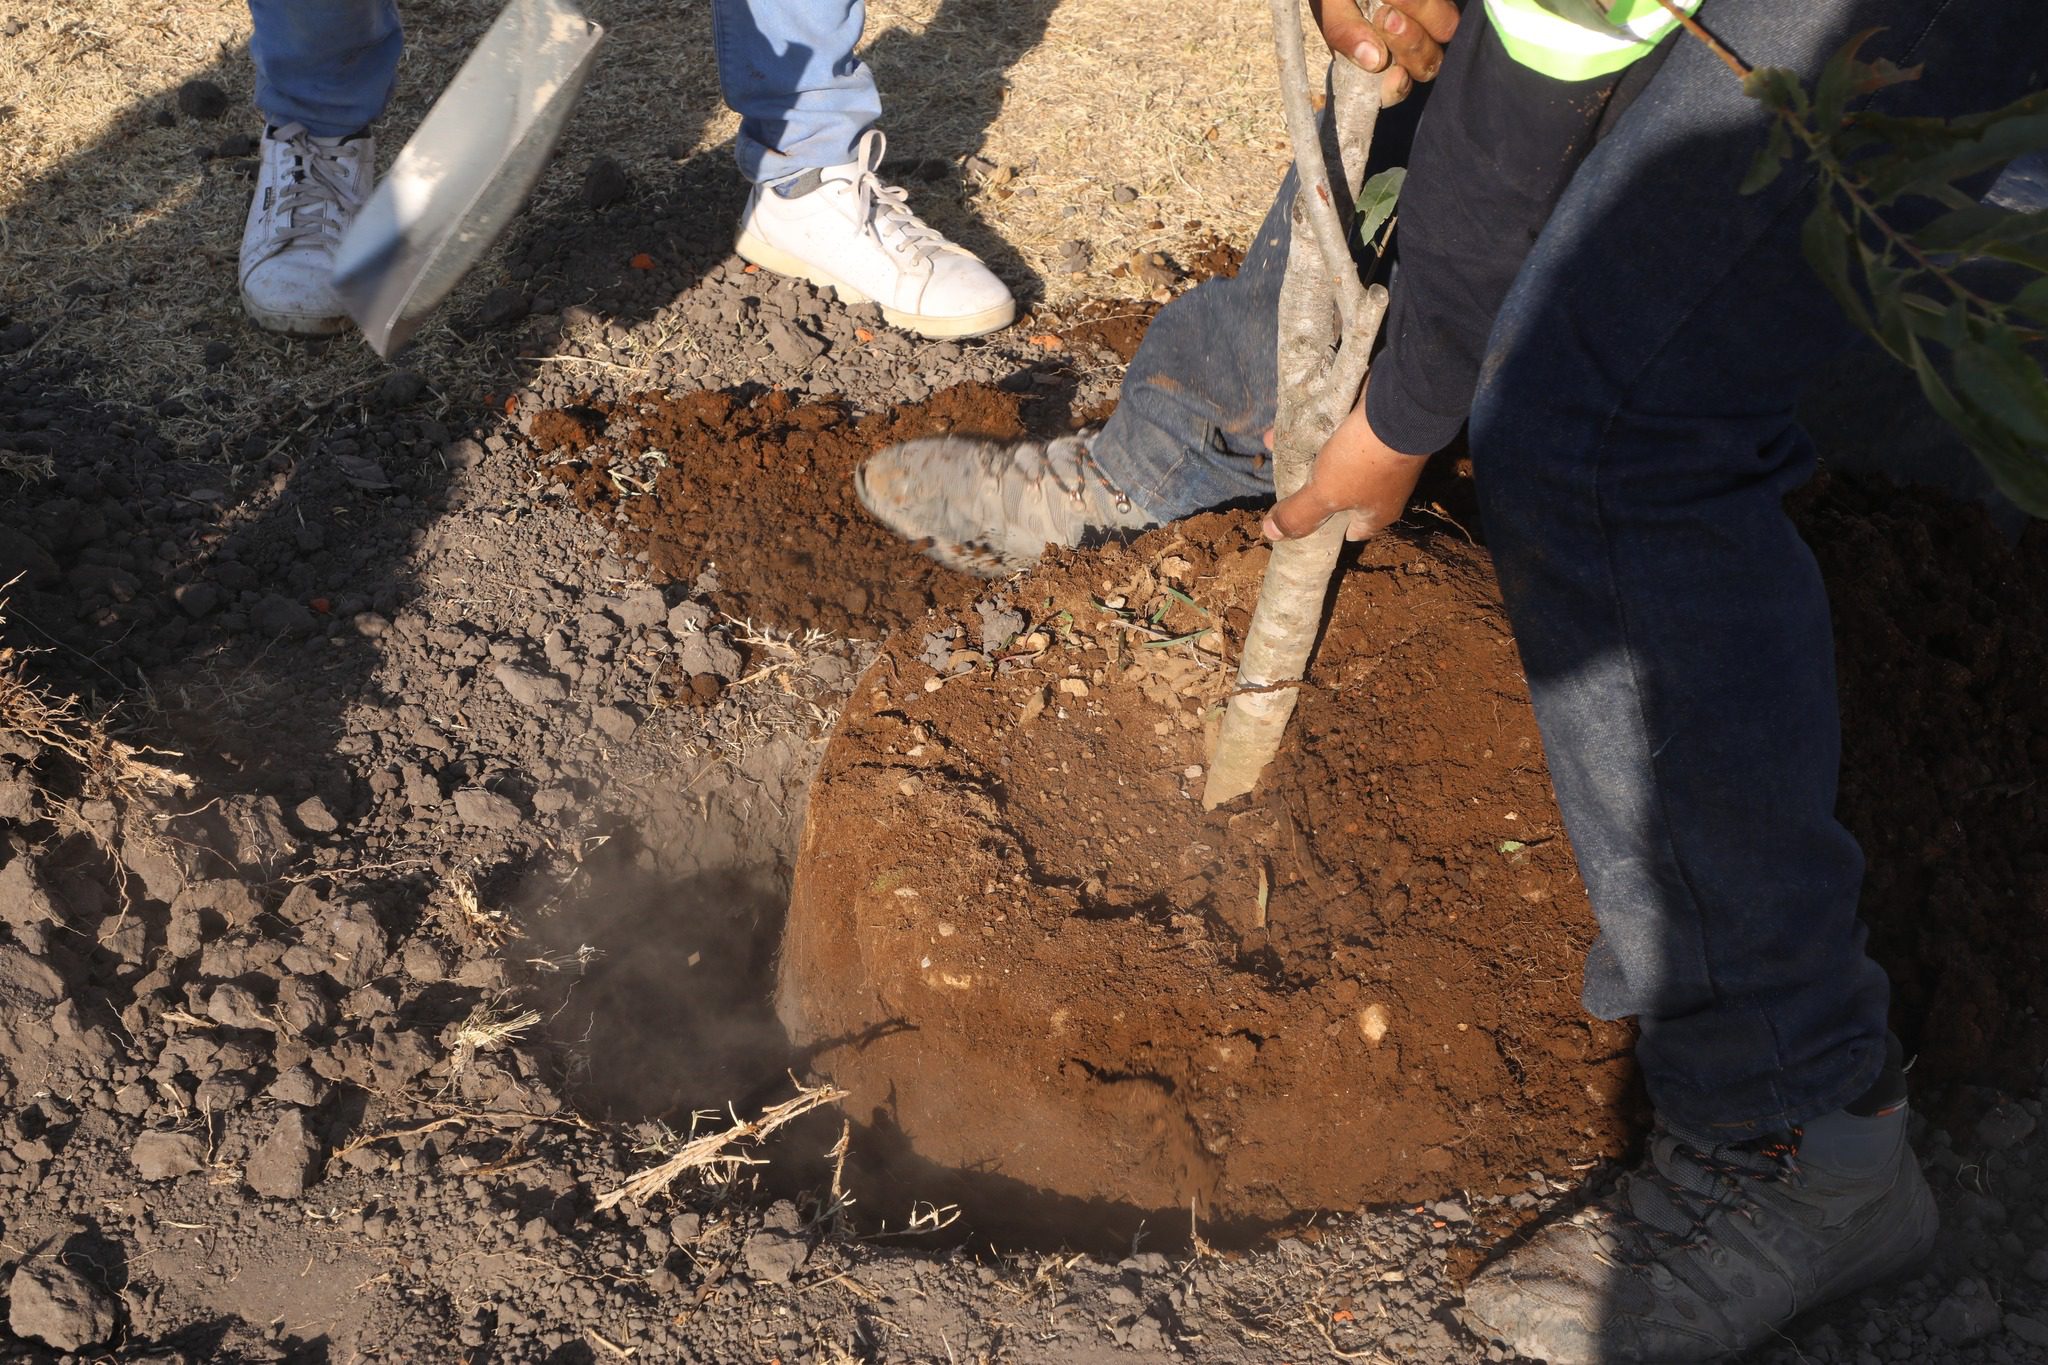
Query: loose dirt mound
[760, 493]
[1042, 968]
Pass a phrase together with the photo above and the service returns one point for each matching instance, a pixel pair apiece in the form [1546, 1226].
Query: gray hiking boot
[991, 507]
[1707, 1249]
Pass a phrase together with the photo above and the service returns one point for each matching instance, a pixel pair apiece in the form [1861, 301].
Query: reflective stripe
[1569, 40]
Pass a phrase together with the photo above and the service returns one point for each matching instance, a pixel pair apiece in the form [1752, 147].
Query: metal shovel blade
[467, 170]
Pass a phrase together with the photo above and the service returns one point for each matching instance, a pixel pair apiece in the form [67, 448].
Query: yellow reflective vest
[1579, 40]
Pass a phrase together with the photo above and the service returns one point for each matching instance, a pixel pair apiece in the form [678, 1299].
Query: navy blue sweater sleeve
[1495, 148]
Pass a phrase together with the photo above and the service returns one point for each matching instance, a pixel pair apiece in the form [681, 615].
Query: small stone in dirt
[287, 1161]
[2030, 1330]
[485, 809]
[615, 723]
[527, 687]
[1124, 194]
[278, 615]
[703, 653]
[775, 1251]
[999, 625]
[502, 307]
[2004, 1127]
[605, 184]
[399, 388]
[166, 1156]
[215, 354]
[1970, 1314]
[197, 599]
[314, 817]
[298, 1085]
[55, 1304]
[202, 100]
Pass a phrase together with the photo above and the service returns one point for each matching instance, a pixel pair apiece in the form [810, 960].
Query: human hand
[1402, 38]
[1356, 473]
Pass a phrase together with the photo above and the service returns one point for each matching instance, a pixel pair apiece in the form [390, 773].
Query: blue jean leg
[1633, 438]
[1189, 428]
[327, 64]
[788, 69]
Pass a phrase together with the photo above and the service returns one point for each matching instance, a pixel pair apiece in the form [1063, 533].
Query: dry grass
[121, 241]
[107, 769]
[719, 1152]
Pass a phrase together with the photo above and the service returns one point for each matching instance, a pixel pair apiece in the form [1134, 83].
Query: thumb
[1302, 514]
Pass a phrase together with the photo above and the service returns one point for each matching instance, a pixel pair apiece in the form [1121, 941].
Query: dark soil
[397, 743]
[1943, 648]
[1040, 966]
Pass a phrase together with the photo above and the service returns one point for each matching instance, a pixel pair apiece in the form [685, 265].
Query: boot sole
[768, 256]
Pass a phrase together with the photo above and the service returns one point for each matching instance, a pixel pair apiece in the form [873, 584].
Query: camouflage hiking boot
[991, 507]
[1708, 1248]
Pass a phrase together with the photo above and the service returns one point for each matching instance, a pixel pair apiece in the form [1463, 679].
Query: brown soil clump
[1042, 968]
[761, 494]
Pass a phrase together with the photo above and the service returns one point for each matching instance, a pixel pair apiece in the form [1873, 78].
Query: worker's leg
[1189, 428]
[787, 68]
[1634, 440]
[326, 65]
[820, 210]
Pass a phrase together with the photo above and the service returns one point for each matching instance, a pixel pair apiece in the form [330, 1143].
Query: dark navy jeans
[1633, 438]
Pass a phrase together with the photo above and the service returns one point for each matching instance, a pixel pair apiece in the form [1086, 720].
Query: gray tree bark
[1328, 322]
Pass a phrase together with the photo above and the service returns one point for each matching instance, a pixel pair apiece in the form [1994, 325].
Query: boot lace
[318, 197]
[1668, 1204]
[1067, 464]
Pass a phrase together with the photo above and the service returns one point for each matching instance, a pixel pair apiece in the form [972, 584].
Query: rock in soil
[287, 1162]
[52, 1303]
[166, 1156]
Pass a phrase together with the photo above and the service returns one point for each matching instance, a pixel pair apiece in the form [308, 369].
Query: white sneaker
[845, 229]
[307, 193]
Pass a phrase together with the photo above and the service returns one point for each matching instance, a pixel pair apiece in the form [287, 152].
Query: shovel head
[467, 170]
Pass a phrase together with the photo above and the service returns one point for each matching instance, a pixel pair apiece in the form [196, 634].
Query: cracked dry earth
[428, 880]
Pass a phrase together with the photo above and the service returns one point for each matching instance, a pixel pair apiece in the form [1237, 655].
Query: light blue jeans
[786, 67]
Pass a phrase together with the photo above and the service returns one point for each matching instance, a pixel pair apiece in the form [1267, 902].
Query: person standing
[819, 210]
[1624, 336]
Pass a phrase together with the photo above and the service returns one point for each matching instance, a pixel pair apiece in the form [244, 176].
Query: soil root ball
[1066, 997]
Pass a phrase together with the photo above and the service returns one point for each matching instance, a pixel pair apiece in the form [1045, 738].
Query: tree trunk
[1322, 305]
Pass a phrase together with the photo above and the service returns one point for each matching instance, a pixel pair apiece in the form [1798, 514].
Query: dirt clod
[53, 1303]
[166, 1156]
[286, 1162]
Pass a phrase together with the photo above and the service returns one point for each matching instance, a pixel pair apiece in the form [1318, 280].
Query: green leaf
[1778, 89]
[1376, 200]
[1982, 142]
[1512, 845]
[1983, 230]
[1770, 162]
[1996, 375]
[1827, 240]
[1844, 77]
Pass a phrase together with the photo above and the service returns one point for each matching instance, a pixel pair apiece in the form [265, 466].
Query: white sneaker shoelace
[317, 200]
[885, 209]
